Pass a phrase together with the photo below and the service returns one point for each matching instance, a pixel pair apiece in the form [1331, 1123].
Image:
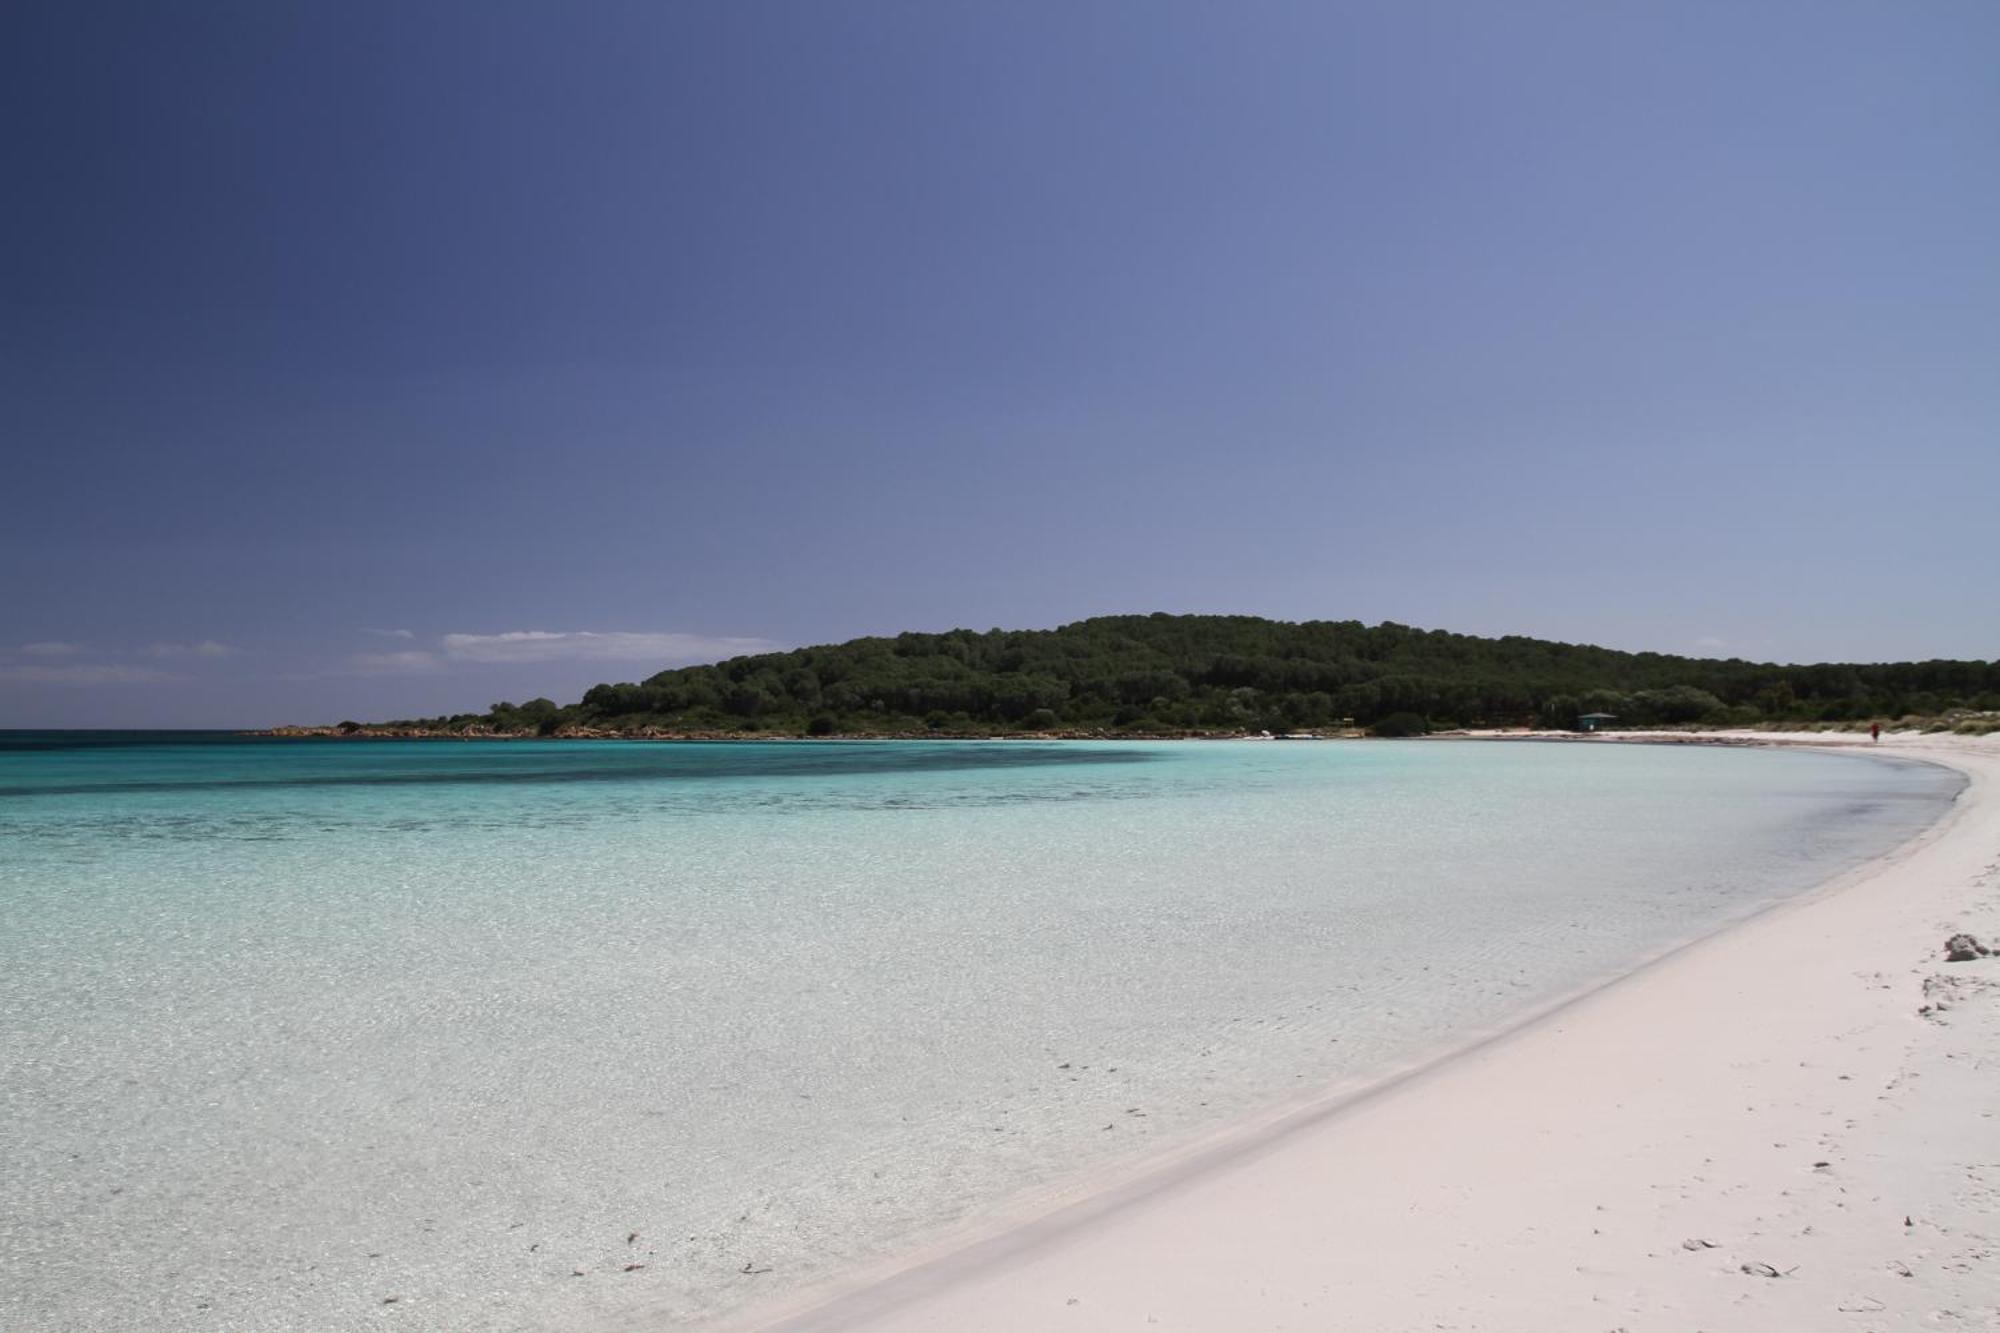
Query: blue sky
[376, 359]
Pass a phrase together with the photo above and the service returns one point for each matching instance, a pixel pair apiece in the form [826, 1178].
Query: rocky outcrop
[1962, 948]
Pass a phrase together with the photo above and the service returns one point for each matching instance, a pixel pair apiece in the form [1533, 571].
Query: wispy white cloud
[52, 648]
[83, 673]
[531, 646]
[205, 648]
[391, 633]
[389, 664]
[534, 645]
[1709, 644]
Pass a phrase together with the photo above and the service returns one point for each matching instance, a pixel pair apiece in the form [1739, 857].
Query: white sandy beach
[1767, 1130]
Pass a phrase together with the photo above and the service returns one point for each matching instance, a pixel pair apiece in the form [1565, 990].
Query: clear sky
[369, 359]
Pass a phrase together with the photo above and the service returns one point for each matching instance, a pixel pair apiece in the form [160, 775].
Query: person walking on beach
[1875, 731]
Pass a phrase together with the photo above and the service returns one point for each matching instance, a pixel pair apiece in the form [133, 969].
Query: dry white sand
[1766, 1131]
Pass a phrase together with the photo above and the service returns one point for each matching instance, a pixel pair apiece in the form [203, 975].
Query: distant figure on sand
[1874, 731]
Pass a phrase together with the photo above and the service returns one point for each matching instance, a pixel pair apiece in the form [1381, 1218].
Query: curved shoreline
[1099, 1246]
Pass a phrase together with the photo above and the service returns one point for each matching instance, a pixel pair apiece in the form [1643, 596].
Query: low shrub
[1400, 724]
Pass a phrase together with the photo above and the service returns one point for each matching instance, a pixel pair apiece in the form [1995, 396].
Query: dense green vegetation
[1166, 674]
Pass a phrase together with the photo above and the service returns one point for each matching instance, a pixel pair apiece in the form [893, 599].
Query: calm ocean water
[290, 1028]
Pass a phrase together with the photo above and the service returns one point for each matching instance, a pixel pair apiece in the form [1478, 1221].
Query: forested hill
[1168, 674]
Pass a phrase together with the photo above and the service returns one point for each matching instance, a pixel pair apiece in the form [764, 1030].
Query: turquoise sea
[430, 1035]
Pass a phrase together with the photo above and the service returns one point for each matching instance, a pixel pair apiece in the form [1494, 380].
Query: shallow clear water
[291, 1028]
